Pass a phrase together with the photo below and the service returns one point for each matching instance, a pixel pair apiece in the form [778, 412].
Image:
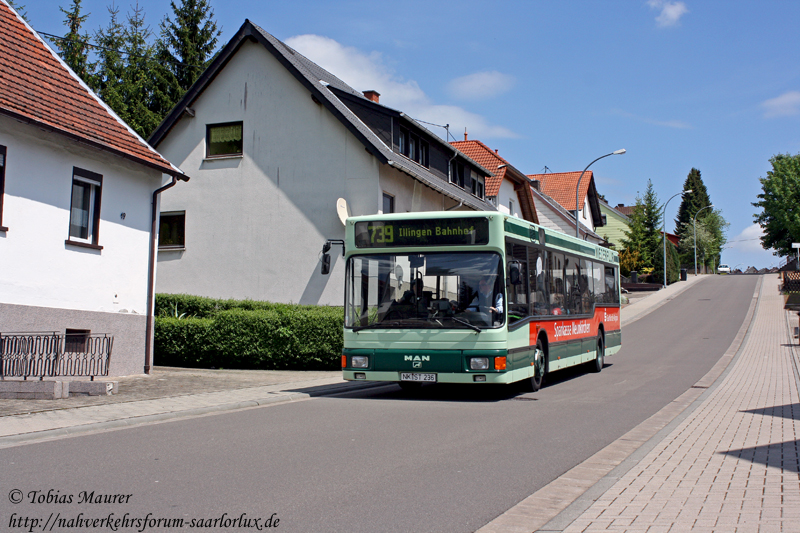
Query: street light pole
[664, 233]
[578, 188]
[694, 227]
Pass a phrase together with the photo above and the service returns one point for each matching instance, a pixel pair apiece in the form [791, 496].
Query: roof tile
[561, 186]
[36, 85]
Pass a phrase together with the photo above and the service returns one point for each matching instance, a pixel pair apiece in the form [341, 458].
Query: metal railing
[52, 354]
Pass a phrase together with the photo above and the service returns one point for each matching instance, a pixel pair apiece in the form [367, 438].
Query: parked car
[723, 269]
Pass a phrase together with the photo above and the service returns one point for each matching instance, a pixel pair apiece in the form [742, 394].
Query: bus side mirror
[325, 267]
[513, 273]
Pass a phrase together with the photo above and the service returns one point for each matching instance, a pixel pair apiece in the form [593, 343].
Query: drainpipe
[151, 277]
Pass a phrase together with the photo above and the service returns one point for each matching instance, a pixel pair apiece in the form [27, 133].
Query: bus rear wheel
[600, 359]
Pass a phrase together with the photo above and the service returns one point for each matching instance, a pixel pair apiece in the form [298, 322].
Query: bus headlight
[479, 363]
[359, 361]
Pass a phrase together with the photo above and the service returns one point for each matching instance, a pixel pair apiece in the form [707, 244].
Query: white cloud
[784, 105]
[369, 72]
[670, 12]
[748, 240]
[481, 85]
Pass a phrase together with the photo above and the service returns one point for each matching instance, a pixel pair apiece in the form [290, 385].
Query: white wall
[37, 268]
[255, 224]
[507, 193]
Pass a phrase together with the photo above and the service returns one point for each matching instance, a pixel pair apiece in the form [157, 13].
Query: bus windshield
[425, 290]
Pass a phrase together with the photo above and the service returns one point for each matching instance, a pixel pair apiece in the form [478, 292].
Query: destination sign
[441, 232]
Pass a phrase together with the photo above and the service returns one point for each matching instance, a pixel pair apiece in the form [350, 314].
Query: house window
[423, 153]
[457, 174]
[477, 185]
[172, 230]
[402, 142]
[2, 183]
[76, 340]
[511, 207]
[413, 147]
[388, 203]
[84, 216]
[224, 139]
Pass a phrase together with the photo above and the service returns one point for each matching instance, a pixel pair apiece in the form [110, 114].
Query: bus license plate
[414, 376]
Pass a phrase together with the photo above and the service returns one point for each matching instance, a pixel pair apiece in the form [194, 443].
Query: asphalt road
[445, 458]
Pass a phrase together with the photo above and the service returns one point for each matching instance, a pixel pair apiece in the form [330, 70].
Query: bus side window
[612, 294]
[555, 269]
[598, 279]
[518, 307]
[538, 289]
[587, 286]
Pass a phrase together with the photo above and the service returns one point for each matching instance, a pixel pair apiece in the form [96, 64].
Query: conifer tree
[73, 47]
[643, 236]
[20, 9]
[185, 48]
[137, 82]
[691, 204]
[110, 69]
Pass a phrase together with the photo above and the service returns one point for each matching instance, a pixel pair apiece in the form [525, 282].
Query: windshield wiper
[464, 322]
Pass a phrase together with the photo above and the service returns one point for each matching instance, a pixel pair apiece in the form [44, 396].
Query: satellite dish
[342, 210]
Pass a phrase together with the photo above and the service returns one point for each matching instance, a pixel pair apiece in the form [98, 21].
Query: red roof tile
[36, 86]
[560, 186]
[488, 159]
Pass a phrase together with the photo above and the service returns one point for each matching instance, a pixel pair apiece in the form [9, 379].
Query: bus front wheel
[600, 359]
[538, 367]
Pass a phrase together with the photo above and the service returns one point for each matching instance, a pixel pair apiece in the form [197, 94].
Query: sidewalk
[732, 463]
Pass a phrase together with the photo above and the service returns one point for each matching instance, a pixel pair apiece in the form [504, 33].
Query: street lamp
[694, 226]
[664, 232]
[578, 188]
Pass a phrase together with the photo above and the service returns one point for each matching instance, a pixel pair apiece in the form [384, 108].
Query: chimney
[375, 96]
[496, 151]
[620, 205]
[536, 184]
[465, 134]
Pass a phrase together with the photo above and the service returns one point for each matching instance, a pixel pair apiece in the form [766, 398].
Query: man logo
[416, 360]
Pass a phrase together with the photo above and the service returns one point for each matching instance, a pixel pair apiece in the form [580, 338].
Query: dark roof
[37, 87]
[322, 85]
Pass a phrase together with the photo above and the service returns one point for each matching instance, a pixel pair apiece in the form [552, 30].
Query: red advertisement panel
[566, 328]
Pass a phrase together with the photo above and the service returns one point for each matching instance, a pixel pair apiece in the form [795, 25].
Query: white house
[272, 141]
[76, 205]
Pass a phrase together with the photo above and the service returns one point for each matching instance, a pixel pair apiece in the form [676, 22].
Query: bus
[473, 297]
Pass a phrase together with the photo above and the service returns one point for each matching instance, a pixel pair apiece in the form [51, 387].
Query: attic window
[413, 147]
[224, 139]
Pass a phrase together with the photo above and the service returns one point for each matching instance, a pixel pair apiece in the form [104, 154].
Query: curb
[134, 421]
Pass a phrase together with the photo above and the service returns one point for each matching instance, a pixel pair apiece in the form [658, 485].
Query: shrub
[246, 334]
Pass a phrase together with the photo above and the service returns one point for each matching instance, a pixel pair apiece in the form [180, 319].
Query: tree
[710, 233]
[137, 79]
[20, 9]
[780, 205]
[644, 232]
[73, 47]
[691, 204]
[185, 48]
[673, 263]
[110, 69]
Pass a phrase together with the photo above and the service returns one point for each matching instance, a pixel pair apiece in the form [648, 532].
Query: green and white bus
[473, 297]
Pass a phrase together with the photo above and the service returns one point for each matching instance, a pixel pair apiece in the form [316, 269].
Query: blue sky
[711, 85]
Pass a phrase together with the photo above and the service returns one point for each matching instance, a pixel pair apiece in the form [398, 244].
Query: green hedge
[246, 334]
